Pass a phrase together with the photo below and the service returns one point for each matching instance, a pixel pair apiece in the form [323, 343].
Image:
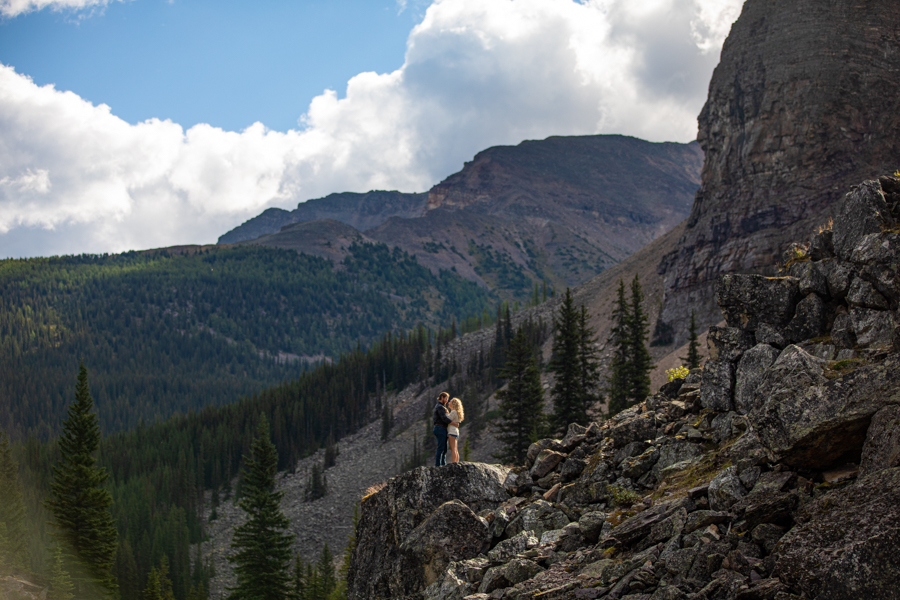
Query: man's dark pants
[440, 455]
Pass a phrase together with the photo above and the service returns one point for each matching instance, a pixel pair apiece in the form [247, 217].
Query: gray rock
[882, 446]
[771, 335]
[546, 462]
[591, 525]
[863, 211]
[809, 320]
[631, 449]
[749, 477]
[701, 519]
[720, 427]
[378, 567]
[727, 344]
[635, 467]
[767, 535]
[452, 532]
[821, 246]
[862, 294]
[574, 436]
[451, 586]
[748, 300]
[675, 451]
[537, 517]
[571, 539]
[872, 327]
[749, 374]
[474, 568]
[571, 469]
[540, 445]
[725, 490]
[581, 493]
[717, 388]
[508, 575]
[811, 278]
[508, 549]
[640, 427]
[842, 333]
[840, 551]
[839, 277]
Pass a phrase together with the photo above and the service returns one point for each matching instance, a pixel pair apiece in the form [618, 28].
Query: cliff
[804, 103]
[754, 478]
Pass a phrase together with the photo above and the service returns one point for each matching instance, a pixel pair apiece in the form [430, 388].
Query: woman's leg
[454, 454]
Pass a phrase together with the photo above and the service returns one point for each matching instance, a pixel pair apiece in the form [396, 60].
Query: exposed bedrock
[804, 104]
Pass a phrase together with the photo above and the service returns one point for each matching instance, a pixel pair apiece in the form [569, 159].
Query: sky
[133, 124]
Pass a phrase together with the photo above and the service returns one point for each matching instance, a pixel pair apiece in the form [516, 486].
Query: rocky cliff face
[804, 103]
[773, 473]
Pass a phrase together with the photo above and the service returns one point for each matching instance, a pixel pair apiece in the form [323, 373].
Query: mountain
[559, 210]
[804, 104]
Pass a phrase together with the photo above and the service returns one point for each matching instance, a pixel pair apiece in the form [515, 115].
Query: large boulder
[882, 446]
[807, 420]
[749, 374]
[863, 211]
[717, 389]
[846, 546]
[452, 532]
[380, 568]
[748, 300]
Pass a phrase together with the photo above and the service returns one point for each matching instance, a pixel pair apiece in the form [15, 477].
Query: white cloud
[12, 8]
[75, 178]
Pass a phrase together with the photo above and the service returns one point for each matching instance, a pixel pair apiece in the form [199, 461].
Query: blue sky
[225, 62]
[143, 123]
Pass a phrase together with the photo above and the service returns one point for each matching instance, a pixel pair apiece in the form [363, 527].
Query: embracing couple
[447, 416]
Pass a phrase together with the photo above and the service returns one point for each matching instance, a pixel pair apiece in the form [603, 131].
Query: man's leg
[440, 454]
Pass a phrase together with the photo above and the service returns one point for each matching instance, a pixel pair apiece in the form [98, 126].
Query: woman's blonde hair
[456, 404]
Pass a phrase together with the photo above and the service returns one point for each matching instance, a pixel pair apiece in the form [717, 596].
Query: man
[441, 420]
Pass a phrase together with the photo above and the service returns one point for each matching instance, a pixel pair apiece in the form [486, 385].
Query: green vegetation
[692, 360]
[629, 378]
[574, 362]
[621, 497]
[262, 544]
[498, 269]
[166, 333]
[83, 524]
[14, 550]
[522, 418]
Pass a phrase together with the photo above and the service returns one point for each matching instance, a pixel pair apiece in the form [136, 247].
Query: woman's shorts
[453, 435]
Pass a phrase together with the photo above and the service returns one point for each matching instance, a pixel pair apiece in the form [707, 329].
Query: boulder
[846, 544]
[451, 586]
[769, 334]
[808, 321]
[727, 344]
[842, 333]
[872, 327]
[749, 374]
[379, 569]
[821, 246]
[838, 276]
[701, 519]
[571, 469]
[635, 467]
[545, 462]
[717, 388]
[508, 549]
[863, 211]
[675, 451]
[591, 524]
[811, 278]
[748, 300]
[725, 490]
[882, 446]
[508, 575]
[537, 517]
[637, 428]
[863, 294]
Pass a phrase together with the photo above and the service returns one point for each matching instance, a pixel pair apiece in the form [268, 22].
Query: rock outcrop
[804, 103]
[775, 478]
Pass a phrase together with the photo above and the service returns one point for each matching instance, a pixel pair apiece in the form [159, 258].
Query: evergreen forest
[166, 332]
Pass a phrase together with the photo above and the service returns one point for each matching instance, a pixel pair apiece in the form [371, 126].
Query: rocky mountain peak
[805, 102]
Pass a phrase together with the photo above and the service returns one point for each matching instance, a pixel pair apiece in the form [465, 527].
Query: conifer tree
[521, 403]
[80, 506]
[641, 363]
[263, 547]
[588, 360]
[565, 362]
[152, 591]
[60, 582]
[14, 545]
[325, 567]
[298, 580]
[617, 382]
[693, 356]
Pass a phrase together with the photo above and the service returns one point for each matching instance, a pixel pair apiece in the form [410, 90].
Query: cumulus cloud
[76, 178]
[12, 8]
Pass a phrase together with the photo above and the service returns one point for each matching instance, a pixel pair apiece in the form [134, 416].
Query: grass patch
[839, 368]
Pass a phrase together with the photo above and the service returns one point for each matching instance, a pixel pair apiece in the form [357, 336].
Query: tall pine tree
[617, 382]
[565, 363]
[521, 402]
[641, 363]
[692, 360]
[588, 361]
[79, 504]
[14, 544]
[263, 547]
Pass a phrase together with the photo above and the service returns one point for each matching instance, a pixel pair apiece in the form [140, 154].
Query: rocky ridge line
[754, 478]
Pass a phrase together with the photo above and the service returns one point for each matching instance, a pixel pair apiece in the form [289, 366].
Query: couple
[447, 416]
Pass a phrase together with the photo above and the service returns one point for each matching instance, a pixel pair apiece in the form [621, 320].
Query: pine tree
[60, 582]
[641, 363]
[325, 567]
[521, 403]
[589, 361]
[617, 382]
[153, 590]
[298, 580]
[14, 546]
[316, 485]
[693, 356]
[565, 362]
[263, 547]
[80, 506]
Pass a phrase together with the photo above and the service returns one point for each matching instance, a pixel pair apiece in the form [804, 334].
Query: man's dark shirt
[441, 416]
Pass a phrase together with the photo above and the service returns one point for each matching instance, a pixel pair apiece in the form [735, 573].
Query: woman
[456, 416]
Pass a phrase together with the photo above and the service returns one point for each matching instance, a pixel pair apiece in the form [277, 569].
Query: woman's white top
[454, 417]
